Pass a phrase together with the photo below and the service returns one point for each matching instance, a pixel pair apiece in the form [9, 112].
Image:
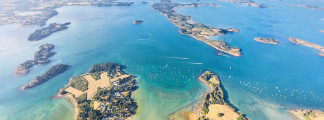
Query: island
[41, 57]
[35, 13]
[105, 92]
[267, 40]
[308, 6]
[49, 74]
[137, 22]
[214, 105]
[44, 32]
[246, 2]
[306, 114]
[196, 30]
[308, 44]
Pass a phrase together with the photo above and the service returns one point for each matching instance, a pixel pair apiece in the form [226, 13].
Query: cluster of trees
[79, 83]
[49, 74]
[40, 57]
[109, 67]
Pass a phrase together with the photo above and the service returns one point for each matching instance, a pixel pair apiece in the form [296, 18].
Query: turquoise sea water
[260, 84]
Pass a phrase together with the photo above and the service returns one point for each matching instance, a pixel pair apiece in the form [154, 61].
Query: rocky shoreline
[307, 114]
[49, 74]
[308, 44]
[214, 104]
[136, 22]
[196, 30]
[41, 57]
[267, 40]
[47, 31]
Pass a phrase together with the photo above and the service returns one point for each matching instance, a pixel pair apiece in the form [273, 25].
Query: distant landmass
[308, 44]
[41, 57]
[49, 74]
[44, 32]
[308, 6]
[246, 2]
[267, 40]
[105, 92]
[35, 13]
[196, 30]
[214, 104]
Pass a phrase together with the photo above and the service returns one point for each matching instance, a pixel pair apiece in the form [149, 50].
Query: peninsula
[44, 32]
[308, 44]
[35, 13]
[105, 92]
[267, 40]
[305, 114]
[214, 104]
[196, 30]
[137, 22]
[247, 2]
[49, 74]
[41, 57]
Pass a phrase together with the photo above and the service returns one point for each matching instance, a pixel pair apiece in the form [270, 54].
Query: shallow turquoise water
[167, 64]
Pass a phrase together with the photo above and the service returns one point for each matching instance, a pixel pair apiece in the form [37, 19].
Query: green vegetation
[242, 117]
[220, 114]
[114, 101]
[49, 74]
[44, 32]
[216, 95]
[41, 57]
[196, 30]
[96, 75]
[111, 68]
[79, 83]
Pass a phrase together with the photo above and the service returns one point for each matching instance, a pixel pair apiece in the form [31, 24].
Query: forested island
[105, 92]
[49, 74]
[41, 57]
[214, 105]
[267, 40]
[196, 30]
[137, 22]
[44, 32]
[308, 44]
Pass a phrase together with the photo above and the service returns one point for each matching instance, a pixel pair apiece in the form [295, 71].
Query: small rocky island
[267, 40]
[49, 74]
[135, 22]
[105, 92]
[196, 30]
[44, 32]
[305, 114]
[308, 44]
[41, 57]
[214, 105]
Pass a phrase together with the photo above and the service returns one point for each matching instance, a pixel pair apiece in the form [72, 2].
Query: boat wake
[179, 58]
